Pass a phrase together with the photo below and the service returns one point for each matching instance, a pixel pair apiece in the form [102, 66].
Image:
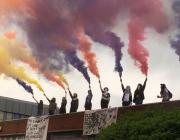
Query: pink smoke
[145, 13]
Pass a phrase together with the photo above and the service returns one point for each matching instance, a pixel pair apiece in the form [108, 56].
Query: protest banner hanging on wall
[36, 128]
[96, 120]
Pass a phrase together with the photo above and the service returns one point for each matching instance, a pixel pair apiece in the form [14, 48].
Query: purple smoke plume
[72, 58]
[46, 33]
[25, 86]
[98, 25]
[52, 27]
[111, 40]
[175, 42]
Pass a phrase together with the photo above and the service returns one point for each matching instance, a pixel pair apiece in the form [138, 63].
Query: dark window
[16, 116]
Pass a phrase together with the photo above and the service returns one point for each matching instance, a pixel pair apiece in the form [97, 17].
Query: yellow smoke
[13, 71]
[62, 78]
[18, 50]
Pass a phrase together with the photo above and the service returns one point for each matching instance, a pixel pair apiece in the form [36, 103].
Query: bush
[147, 125]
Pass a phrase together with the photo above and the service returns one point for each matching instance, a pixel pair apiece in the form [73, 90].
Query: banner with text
[96, 120]
[37, 128]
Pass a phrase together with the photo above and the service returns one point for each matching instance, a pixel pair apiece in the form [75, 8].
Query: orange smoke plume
[10, 35]
[11, 6]
[89, 56]
[53, 77]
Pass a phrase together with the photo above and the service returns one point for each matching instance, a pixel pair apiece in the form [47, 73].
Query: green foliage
[147, 125]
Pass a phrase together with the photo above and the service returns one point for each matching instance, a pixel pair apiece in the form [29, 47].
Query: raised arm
[70, 93]
[100, 85]
[144, 85]
[35, 99]
[123, 89]
[47, 98]
[89, 87]
[65, 93]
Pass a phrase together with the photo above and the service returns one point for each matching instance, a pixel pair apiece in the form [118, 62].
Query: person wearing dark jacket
[74, 102]
[165, 94]
[105, 96]
[127, 95]
[88, 104]
[62, 109]
[52, 105]
[139, 93]
[39, 107]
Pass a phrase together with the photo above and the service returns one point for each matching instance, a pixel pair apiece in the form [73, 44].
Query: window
[9, 116]
[16, 116]
[23, 116]
[1, 116]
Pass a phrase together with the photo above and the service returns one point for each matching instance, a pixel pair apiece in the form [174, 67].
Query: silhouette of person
[105, 96]
[127, 95]
[52, 105]
[74, 102]
[62, 109]
[139, 93]
[39, 107]
[88, 104]
[165, 94]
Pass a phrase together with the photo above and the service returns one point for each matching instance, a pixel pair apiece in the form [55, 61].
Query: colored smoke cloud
[25, 86]
[54, 78]
[175, 42]
[145, 13]
[10, 69]
[89, 56]
[52, 28]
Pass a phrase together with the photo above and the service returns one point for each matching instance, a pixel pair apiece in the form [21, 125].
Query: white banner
[37, 128]
[96, 120]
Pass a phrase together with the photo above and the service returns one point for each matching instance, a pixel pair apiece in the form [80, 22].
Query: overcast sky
[164, 67]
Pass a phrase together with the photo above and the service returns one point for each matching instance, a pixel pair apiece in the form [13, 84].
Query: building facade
[65, 126]
[11, 109]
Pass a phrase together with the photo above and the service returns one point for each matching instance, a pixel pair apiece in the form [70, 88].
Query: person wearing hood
[139, 93]
[165, 94]
[127, 95]
[52, 105]
[39, 107]
[88, 104]
[74, 102]
[105, 96]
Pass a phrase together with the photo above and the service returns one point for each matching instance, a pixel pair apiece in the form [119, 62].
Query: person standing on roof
[139, 93]
[105, 96]
[74, 102]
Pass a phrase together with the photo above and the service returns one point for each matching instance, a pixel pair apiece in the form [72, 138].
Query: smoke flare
[146, 13]
[61, 76]
[136, 50]
[9, 69]
[25, 86]
[175, 42]
[17, 51]
[55, 78]
[53, 37]
[72, 58]
[89, 56]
